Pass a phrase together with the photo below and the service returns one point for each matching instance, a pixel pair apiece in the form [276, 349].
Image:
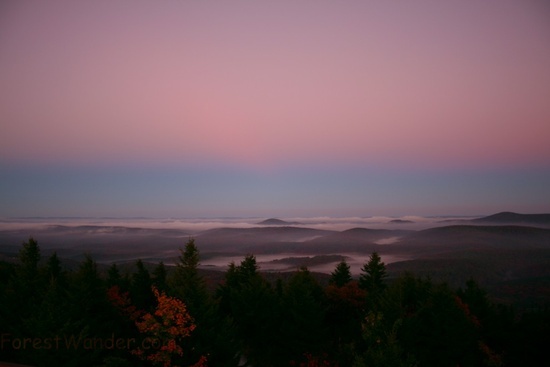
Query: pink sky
[268, 85]
[265, 83]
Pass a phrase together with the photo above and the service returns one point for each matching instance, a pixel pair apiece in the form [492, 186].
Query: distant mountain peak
[276, 222]
[511, 217]
[400, 221]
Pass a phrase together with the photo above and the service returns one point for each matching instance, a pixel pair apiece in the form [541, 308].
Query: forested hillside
[53, 316]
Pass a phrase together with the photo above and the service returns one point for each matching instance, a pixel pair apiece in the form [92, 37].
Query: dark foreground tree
[341, 275]
[140, 288]
[214, 336]
[372, 276]
[248, 299]
[188, 285]
[303, 322]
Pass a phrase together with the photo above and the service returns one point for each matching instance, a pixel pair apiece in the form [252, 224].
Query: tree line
[51, 316]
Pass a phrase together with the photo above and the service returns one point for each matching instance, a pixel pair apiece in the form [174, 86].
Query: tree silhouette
[249, 300]
[27, 282]
[188, 285]
[53, 267]
[159, 277]
[372, 275]
[303, 323]
[345, 312]
[341, 275]
[214, 335]
[140, 288]
[113, 275]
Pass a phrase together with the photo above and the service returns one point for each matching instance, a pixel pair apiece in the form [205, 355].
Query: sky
[274, 108]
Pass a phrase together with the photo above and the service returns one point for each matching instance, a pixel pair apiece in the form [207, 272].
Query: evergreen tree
[140, 289]
[159, 277]
[441, 332]
[22, 297]
[6, 275]
[248, 270]
[25, 288]
[238, 278]
[51, 317]
[345, 313]
[248, 299]
[214, 334]
[27, 272]
[113, 276]
[187, 284]
[29, 256]
[53, 267]
[89, 291]
[341, 275]
[190, 257]
[303, 328]
[89, 312]
[372, 275]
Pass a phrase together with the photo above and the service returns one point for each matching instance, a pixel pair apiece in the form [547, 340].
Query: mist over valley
[495, 249]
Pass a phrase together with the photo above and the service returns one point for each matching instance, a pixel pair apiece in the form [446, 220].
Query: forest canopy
[158, 315]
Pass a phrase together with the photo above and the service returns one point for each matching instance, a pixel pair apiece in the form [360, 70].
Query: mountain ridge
[512, 217]
[277, 222]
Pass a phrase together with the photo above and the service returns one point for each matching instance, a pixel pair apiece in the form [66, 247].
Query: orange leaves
[163, 330]
[466, 309]
[201, 363]
[349, 295]
[166, 328]
[122, 302]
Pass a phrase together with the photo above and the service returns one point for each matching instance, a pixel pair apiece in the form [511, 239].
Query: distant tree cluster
[50, 316]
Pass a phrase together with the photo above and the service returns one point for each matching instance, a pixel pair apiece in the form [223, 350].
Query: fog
[195, 225]
[292, 261]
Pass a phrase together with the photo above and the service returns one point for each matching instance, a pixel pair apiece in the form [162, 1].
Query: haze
[193, 109]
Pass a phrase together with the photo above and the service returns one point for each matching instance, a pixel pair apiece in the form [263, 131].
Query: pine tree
[248, 299]
[345, 312]
[248, 269]
[341, 275]
[89, 310]
[140, 288]
[25, 288]
[304, 312]
[27, 271]
[159, 277]
[113, 276]
[89, 290]
[190, 257]
[373, 274]
[214, 335]
[188, 285]
[53, 268]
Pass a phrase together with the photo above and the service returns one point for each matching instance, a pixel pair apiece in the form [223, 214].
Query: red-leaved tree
[163, 330]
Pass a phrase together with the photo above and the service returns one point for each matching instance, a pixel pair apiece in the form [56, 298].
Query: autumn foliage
[121, 301]
[167, 327]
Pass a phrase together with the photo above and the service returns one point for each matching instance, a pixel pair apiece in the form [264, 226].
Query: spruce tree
[303, 328]
[140, 289]
[53, 267]
[341, 275]
[187, 284]
[373, 274]
[159, 277]
[113, 276]
[27, 271]
[214, 335]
